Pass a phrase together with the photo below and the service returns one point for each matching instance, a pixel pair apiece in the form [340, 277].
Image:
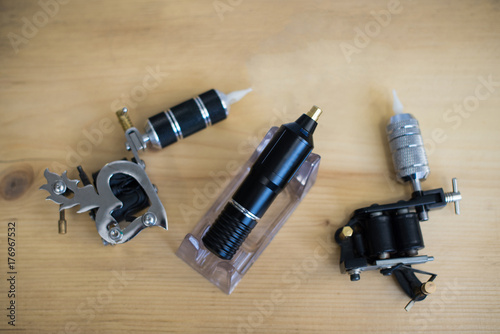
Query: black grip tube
[274, 168]
[186, 118]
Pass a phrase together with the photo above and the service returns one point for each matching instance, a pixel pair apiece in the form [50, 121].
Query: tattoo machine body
[122, 188]
[388, 237]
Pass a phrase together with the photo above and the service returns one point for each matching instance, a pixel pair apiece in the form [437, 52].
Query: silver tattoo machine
[122, 189]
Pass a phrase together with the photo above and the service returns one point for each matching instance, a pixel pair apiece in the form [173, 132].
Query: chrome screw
[149, 219]
[454, 196]
[59, 187]
[115, 234]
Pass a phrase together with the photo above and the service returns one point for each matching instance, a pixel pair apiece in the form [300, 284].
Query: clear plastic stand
[226, 274]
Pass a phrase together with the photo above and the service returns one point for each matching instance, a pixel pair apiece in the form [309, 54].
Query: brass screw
[124, 119]
[62, 224]
[346, 232]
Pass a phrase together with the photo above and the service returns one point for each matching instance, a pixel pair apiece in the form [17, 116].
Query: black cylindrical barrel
[186, 118]
[276, 165]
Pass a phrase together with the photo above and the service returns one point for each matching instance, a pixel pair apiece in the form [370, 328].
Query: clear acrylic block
[226, 274]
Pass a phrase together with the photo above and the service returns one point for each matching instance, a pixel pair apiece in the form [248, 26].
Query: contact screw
[124, 119]
[454, 196]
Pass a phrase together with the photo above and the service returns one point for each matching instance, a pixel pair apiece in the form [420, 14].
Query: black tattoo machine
[388, 237]
[275, 166]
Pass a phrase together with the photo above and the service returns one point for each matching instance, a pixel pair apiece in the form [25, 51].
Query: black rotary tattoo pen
[274, 168]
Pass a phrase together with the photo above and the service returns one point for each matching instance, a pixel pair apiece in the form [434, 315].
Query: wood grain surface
[66, 66]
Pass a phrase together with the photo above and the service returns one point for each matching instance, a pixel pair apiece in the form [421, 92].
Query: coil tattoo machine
[388, 237]
[122, 189]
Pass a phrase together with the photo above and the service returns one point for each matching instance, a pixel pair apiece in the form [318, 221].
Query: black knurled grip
[228, 232]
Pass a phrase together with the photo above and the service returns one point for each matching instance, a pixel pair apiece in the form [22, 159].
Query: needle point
[397, 106]
[235, 96]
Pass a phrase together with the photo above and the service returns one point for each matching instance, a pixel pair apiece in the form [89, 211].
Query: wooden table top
[66, 66]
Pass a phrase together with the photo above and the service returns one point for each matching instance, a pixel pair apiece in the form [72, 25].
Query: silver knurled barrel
[407, 147]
